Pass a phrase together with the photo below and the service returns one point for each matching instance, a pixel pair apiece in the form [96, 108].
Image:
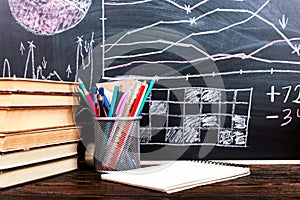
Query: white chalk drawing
[49, 17]
[6, 66]
[83, 48]
[37, 72]
[291, 94]
[159, 107]
[227, 128]
[69, 71]
[245, 16]
[84, 58]
[197, 121]
[283, 22]
[22, 48]
[30, 56]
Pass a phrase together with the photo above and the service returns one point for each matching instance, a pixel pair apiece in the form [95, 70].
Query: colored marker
[103, 112]
[87, 95]
[96, 103]
[151, 84]
[113, 101]
[85, 100]
[105, 100]
[121, 105]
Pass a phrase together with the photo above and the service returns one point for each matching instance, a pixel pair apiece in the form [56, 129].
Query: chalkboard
[227, 72]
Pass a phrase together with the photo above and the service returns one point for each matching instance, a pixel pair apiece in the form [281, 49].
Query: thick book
[20, 98]
[35, 155]
[17, 119]
[37, 85]
[38, 171]
[31, 139]
[178, 175]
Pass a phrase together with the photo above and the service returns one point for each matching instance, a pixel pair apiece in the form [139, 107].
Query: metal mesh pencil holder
[117, 144]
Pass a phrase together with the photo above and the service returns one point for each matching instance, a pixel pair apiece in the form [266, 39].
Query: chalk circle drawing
[49, 17]
[147, 71]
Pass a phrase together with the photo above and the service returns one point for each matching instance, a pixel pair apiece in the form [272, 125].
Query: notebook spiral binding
[219, 163]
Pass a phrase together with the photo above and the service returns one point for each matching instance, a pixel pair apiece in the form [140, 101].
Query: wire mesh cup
[117, 144]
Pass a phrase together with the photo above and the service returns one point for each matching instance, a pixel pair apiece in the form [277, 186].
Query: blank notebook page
[177, 176]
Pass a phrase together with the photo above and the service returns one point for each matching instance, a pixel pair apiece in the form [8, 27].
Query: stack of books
[38, 134]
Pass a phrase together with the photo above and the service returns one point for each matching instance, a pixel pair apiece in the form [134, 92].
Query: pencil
[85, 100]
[87, 96]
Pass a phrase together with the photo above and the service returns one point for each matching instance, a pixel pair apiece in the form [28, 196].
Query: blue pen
[97, 106]
[105, 100]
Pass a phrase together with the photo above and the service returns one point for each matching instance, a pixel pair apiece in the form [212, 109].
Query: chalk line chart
[180, 43]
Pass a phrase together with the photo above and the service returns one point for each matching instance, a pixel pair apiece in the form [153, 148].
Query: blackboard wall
[245, 48]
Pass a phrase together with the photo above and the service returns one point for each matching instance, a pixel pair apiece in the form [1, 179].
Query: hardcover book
[37, 138]
[15, 176]
[18, 119]
[36, 85]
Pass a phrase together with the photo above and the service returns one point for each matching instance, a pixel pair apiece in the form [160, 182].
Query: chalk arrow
[44, 63]
[283, 22]
[86, 46]
[39, 71]
[69, 71]
[22, 48]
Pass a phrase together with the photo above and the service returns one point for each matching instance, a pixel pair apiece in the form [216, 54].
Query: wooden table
[265, 182]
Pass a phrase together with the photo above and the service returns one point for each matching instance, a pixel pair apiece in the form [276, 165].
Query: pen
[105, 100]
[97, 107]
[103, 112]
[113, 101]
[121, 104]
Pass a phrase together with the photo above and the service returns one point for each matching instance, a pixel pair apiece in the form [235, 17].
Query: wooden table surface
[265, 182]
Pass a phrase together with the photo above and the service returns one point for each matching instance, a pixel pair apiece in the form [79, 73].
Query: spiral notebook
[178, 175]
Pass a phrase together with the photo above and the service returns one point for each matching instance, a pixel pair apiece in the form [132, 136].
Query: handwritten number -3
[288, 118]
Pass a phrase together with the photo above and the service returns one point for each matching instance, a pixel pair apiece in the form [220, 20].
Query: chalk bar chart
[199, 118]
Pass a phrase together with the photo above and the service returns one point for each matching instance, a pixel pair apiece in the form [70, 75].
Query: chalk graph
[224, 114]
[243, 16]
[179, 41]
